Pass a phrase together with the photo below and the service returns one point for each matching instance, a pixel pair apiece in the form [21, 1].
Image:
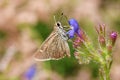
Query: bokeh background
[25, 24]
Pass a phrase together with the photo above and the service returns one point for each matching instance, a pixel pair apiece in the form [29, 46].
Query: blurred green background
[25, 24]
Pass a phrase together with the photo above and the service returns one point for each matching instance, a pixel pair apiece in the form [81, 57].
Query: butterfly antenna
[55, 19]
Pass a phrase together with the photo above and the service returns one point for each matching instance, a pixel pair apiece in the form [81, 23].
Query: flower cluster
[86, 52]
[84, 47]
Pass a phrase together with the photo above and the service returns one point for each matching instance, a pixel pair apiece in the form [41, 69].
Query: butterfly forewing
[54, 47]
[41, 53]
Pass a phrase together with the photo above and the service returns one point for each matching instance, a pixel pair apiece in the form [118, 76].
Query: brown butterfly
[55, 46]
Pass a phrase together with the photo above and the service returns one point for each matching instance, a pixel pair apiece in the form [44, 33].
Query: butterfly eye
[58, 24]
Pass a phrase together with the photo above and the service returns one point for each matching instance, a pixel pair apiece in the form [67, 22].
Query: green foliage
[2, 35]
[116, 23]
[95, 69]
[41, 29]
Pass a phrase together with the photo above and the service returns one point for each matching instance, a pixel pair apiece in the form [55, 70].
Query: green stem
[101, 74]
[105, 71]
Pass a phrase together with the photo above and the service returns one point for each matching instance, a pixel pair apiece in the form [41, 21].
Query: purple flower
[74, 28]
[30, 72]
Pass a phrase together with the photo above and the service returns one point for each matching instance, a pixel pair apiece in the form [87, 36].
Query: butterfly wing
[41, 53]
[54, 47]
[59, 48]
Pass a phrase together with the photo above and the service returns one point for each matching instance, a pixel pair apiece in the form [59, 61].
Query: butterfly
[55, 46]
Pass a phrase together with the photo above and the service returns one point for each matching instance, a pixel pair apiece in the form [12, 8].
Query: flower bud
[77, 42]
[101, 29]
[102, 40]
[109, 48]
[113, 37]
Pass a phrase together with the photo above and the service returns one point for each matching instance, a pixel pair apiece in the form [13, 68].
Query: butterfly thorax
[61, 31]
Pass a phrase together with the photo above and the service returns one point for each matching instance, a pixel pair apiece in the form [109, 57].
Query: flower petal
[71, 33]
[72, 22]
